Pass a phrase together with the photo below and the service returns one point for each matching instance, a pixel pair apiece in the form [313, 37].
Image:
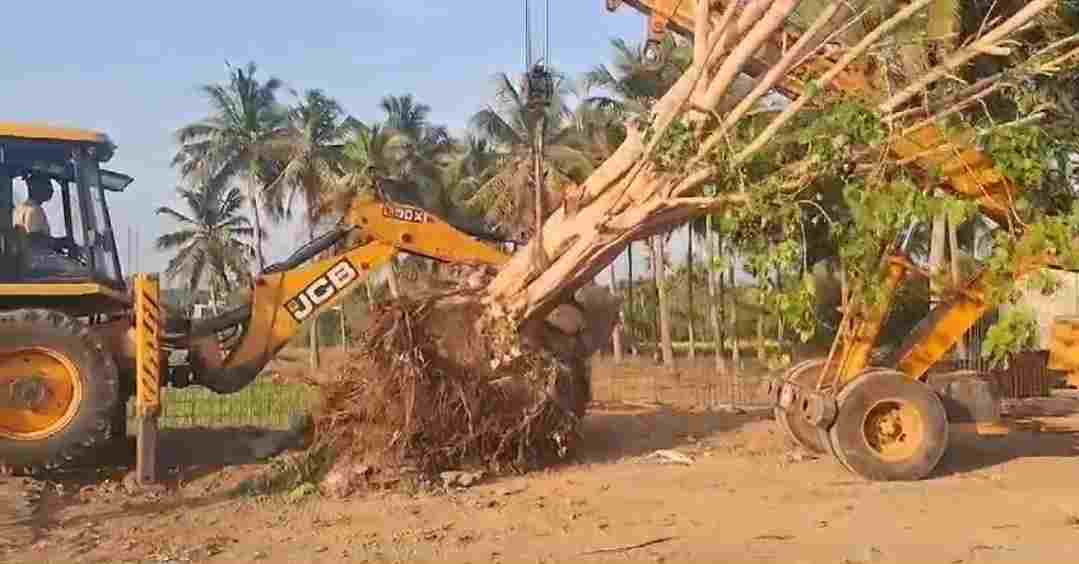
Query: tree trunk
[313, 338]
[391, 279]
[957, 279]
[689, 293]
[616, 335]
[257, 215]
[736, 349]
[659, 264]
[538, 184]
[629, 295]
[736, 344]
[627, 197]
[313, 344]
[631, 197]
[213, 297]
[711, 250]
[779, 317]
[344, 328]
[937, 246]
[760, 335]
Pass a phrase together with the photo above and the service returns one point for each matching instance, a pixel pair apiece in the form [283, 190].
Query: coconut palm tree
[510, 126]
[417, 152]
[309, 154]
[634, 84]
[474, 162]
[213, 238]
[235, 140]
[630, 89]
[600, 130]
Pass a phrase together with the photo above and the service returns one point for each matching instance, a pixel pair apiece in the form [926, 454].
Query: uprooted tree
[500, 385]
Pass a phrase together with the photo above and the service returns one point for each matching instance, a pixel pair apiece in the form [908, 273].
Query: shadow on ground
[612, 432]
[1042, 428]
[184, 456]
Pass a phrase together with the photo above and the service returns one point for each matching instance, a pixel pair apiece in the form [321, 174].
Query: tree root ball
[440, 383]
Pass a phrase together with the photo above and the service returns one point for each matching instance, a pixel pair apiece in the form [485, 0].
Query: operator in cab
[29, 215]
[49, 256]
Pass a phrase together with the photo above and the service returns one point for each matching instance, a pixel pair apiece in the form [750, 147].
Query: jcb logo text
[321, 290]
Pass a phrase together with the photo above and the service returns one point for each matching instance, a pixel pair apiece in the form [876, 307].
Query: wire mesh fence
[692, 384]
[265, 403]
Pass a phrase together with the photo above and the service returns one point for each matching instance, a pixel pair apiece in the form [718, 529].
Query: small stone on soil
[460, 479]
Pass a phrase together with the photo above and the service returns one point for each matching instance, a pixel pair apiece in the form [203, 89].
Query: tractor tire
[74, 380]
[793, 421]
[889, 427]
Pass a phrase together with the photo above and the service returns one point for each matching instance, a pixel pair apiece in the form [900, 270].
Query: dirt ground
[743, 497]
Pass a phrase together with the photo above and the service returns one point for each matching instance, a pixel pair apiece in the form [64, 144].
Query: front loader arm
[280, 303]
[287, 295]
[419, 232]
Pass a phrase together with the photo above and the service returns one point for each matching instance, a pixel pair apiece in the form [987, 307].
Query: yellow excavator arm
[285, 296]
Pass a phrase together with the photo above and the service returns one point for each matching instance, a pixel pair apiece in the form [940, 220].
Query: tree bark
[313, 337]
[344, 328]
[713, 303]
[391, 279]
[663, 304]
[937, 246]
[957, 278]
[616, 335]
[760, 335]
[214, 300]
[736, 348]
[629, 294]
[313, 344]
[736, 344]
[689, 292]
[629, 197]
[258, 225]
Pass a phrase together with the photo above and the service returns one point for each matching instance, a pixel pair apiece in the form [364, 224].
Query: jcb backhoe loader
[76, 342]
[889, 422]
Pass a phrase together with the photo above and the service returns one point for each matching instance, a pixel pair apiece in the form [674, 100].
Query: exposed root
[437, 385]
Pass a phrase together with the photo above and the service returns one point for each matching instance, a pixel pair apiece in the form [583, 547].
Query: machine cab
[56, 236]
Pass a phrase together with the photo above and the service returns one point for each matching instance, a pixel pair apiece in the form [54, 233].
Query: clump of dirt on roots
[435, 386]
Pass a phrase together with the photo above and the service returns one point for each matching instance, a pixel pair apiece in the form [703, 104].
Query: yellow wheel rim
[893, 429]
[49, 384]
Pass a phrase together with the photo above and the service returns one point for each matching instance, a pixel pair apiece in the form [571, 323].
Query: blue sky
[132, 68]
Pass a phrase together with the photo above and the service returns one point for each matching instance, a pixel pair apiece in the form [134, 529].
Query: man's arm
[37, 221]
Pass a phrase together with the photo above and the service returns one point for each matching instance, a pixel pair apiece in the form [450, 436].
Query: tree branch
[734, 62]
[770, 79]
[964, 55]
[845, 61]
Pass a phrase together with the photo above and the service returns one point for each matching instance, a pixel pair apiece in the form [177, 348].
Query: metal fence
[271, 401]
[692, 383]
[265, 404]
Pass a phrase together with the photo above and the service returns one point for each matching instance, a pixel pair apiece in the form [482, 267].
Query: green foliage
[212, 239]
[506, 194]
[1050, 236]
[1016, 331]
[841, 125]
[1022, 153]
[678, 145]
